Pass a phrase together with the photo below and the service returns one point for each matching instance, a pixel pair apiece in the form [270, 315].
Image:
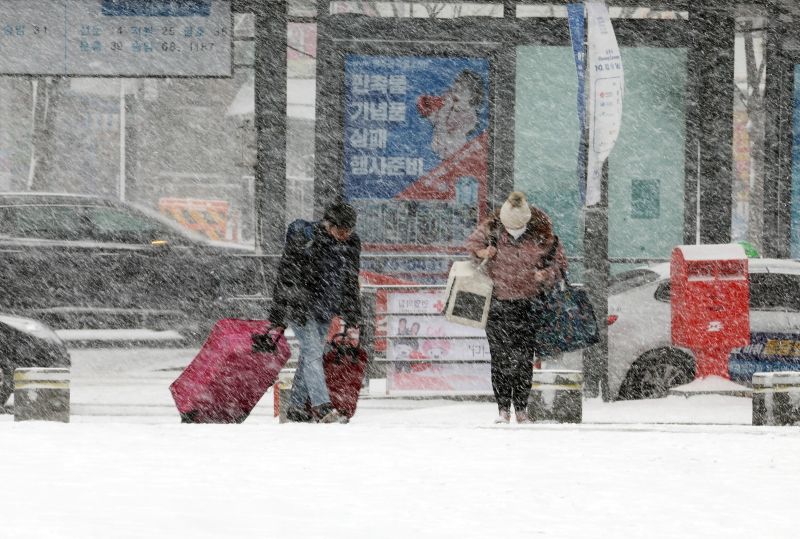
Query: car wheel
[6, 385]
[655, 373]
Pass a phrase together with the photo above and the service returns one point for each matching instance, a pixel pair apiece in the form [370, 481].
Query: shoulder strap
[494, 231]
[550, 257]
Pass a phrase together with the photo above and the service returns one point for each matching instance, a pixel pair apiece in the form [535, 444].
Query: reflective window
[768, 292]
[117, 225]
[775, 292]
[63, 223]
[628, 280]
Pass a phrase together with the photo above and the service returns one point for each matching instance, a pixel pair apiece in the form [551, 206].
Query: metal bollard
[556, 395]
[776, 398]
[283, 393]
[41, 394]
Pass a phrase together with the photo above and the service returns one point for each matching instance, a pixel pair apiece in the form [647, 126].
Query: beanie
[515, 212]
[341, 214]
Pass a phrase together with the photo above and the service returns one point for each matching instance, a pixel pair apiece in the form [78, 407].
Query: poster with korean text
[416, 149]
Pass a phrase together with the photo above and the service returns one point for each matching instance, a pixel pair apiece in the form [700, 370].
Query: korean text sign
[116, 38]
[416, 147]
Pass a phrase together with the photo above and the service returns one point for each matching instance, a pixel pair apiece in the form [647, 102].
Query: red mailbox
[710, 299]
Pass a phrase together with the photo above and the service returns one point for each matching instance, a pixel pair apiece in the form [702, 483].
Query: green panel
[547, 135]
[649, 151]
[646, 169]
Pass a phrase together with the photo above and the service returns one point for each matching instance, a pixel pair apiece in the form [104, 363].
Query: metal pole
[595, 277]
[122, 121]
[596, 265]
[713, 27]
[270, 124]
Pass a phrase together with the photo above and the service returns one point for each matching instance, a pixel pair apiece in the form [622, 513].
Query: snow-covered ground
[125, 467]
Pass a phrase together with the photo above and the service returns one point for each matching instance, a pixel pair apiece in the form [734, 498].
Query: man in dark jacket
[317, 280]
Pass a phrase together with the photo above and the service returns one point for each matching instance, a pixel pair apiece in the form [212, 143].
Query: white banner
[606, 88]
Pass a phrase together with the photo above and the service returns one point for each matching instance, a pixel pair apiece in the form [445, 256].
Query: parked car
[90, 262]
[643, 363]
[26, 343]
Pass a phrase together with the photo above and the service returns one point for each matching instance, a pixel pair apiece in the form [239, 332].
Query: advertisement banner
[126, 38]
[439, 379]
[208, 217]
[429, 354]
[577, 33]
[606, 89]
[767, 352]
[416, 149]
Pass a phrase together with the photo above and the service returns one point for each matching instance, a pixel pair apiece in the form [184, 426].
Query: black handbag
[564, 317]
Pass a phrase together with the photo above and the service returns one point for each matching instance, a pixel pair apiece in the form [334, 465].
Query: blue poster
[416, 147]
[156, 8]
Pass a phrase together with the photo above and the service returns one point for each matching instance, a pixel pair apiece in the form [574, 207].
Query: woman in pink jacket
[518, 242]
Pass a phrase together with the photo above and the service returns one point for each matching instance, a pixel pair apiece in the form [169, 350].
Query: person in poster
[416, 149]
[455, 114]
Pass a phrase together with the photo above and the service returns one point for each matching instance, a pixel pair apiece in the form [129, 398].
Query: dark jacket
[317, 276]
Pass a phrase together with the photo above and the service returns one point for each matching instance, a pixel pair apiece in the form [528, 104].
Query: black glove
[351, 333]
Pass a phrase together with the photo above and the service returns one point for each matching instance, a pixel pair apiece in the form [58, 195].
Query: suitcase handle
[342, 349]
[264, 343]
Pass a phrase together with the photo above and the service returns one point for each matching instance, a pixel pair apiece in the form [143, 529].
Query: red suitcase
[239, 361]
[344, 366]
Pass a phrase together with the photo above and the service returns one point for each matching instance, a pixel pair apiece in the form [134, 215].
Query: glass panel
[749, 119]
[547, 136]
[795, 218]
[301, 121]
[302, 8]
[244, 25]
[646, 179]
[650, 149]
[177, 142]
[427, 10]
[244, 53]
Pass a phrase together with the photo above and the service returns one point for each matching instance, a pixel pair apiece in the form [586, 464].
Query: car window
[775, 291]
[628, 280]
[768, 292]
[43, 222]
[117, 225]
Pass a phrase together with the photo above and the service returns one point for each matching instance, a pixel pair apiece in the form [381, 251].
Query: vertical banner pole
[606, 82]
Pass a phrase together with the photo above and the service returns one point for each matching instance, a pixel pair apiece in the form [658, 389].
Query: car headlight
[30, 327]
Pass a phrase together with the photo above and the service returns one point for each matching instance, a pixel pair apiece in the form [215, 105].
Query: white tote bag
[468, 293]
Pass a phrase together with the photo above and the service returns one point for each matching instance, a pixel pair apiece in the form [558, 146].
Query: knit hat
[515, 212]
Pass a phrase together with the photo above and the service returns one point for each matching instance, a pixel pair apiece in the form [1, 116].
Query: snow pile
[709, 385]
[433, 470]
